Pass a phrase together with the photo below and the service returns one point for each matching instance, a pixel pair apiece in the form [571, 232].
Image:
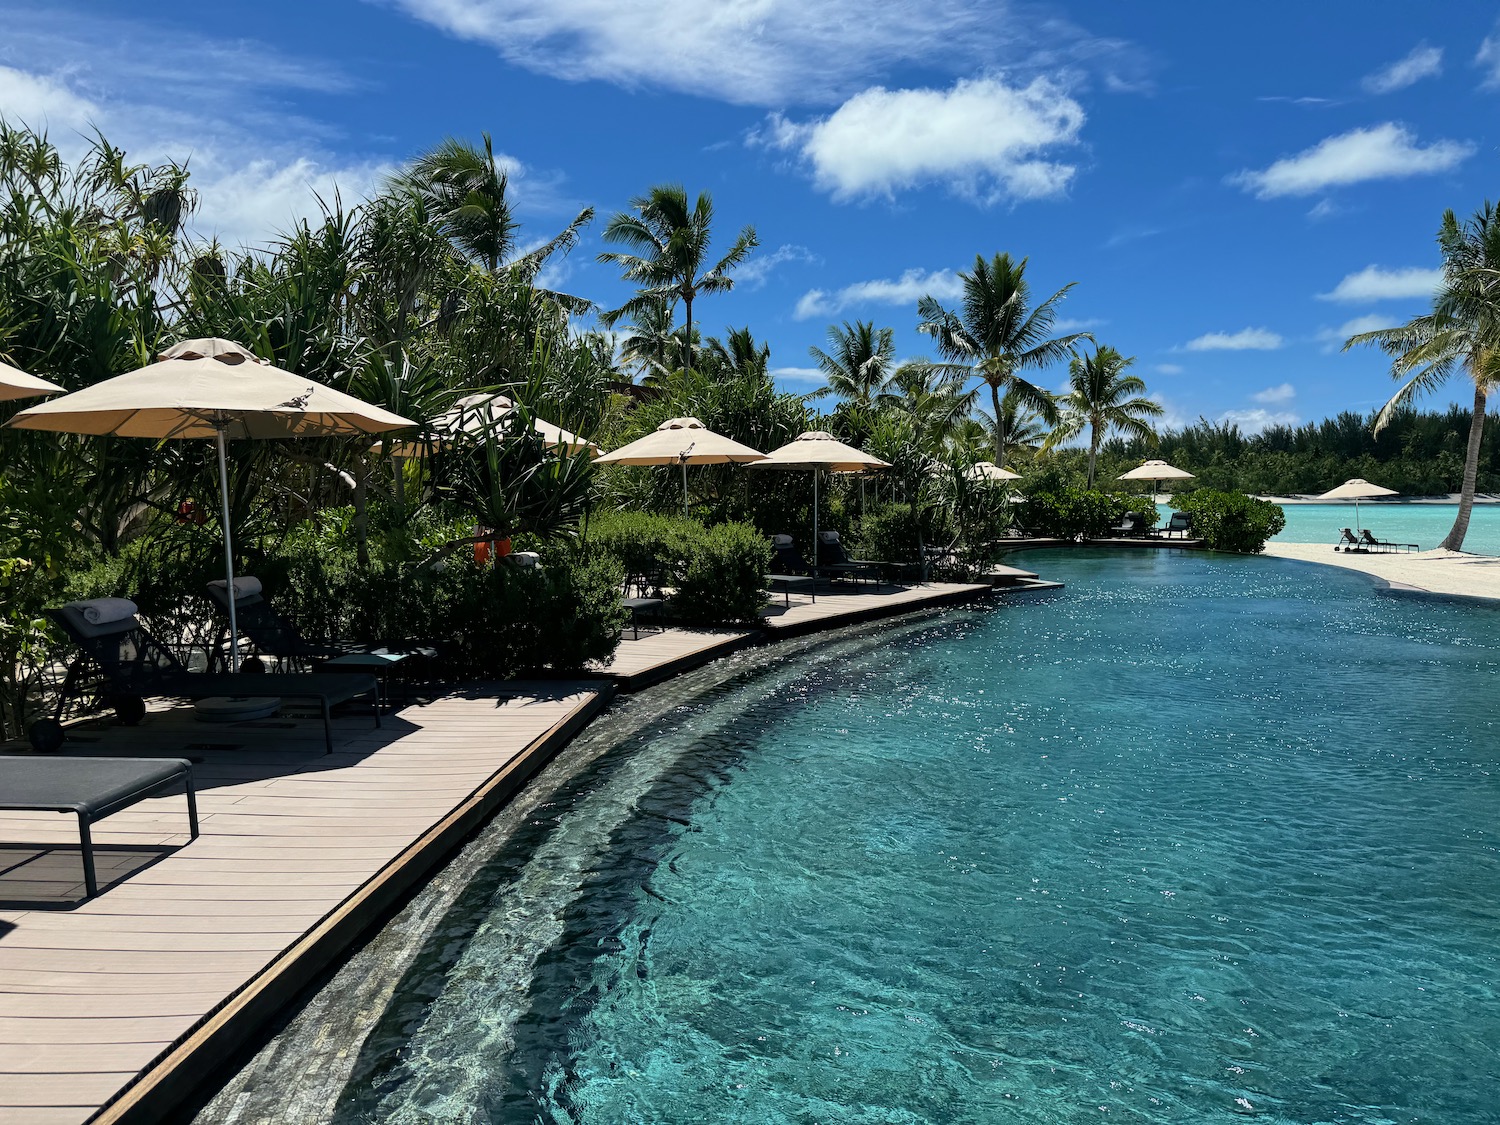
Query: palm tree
[1462, 330]
[739, 355]
[860, 364]
[651, 344]
[668, 242]
[469, 194]
[1101, 397]
[999, 335]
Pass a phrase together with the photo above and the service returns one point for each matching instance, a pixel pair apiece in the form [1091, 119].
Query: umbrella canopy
[1357, 489]
[683, 441]
[988, 470]
[200, 388]
[473, 414]
[210, 388]
[15, 383]
[1154, 471]
[818, 449]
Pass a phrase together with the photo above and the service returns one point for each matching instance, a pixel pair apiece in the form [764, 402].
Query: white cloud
[1247, 339]
[1375, 283]
[1323, 209]
[1258, 419]
[1424, 61]
[1333, 339]
[1067, 324]
[1382, 152]
[758, 267]
[766, 52]
[1169, 368]
[798, 374]
[42, 102]
[1283, 393]
[1488, 59]
[907, 289]
[982, 138]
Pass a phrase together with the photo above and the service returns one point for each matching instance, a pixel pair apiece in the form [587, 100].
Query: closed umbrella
[683, 441]
[1156, 472]
[15, 384]
[211, 388]
[816, 450]
[1357, 489]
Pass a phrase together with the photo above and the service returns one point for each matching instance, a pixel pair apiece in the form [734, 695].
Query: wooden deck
[189, 946]
[658, 654]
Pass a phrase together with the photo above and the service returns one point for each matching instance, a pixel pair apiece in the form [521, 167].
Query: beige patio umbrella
[1156, 472]
[473, 414]
[1357, 489]
[988, 470]
[683, 441]
[210, 388]
[816, 450]
[15, 383]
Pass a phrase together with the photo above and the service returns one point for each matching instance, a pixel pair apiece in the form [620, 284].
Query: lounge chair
[835, 562]
[644, 597]
[1371, 542]
[1132, 526]
[1348, 541]
[135, 665]
[273, 635]
[91, 789]
[1180, 525]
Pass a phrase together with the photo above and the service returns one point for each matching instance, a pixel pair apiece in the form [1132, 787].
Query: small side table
[383, 664]
[786, 583]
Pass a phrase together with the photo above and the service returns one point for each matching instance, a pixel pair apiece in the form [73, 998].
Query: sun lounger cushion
[244, 585]
[76, 620]
[101, 611]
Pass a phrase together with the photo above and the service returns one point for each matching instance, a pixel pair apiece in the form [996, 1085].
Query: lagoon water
[1423, 524]
[1196, 839]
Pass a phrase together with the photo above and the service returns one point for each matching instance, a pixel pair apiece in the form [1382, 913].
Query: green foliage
[719, 573]
[1080, 513]
[724, 579]
[1232, 521]
[891, 533]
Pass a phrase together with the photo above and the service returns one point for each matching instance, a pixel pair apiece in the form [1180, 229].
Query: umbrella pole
[234, 625]
[684, 488]
[815, 521]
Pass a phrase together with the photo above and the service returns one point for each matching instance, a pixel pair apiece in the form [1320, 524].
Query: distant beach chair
[1132, 526]
[1348, 541]
[1369, 540]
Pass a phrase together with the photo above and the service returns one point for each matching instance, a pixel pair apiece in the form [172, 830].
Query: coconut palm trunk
[1455, 539]
[1093, 449]
[999, 425]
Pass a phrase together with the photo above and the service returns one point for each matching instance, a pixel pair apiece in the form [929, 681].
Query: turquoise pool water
[1196, 839]
[1423, 524]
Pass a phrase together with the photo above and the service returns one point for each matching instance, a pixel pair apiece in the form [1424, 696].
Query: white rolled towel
[244, 585]
[102, 611]
[526, 560]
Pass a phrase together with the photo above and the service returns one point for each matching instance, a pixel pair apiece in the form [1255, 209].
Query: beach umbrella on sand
[474, 414]
[988, 470]
[211, 388]
[15, 384]
[817, 450]
[1156, 472]
[1357, 489]
[683, 441]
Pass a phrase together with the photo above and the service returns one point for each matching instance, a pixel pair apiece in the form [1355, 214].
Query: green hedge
[1073, 513]
[719, 572]
[1232, 521]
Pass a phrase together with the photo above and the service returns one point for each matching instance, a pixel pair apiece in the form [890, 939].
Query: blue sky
[1234, 188]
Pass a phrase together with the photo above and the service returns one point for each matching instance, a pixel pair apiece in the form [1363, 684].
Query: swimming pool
[1198, 837]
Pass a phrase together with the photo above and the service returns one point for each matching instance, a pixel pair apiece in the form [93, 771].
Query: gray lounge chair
[835, 562]
[91, 789]
[1179, 525]
[1369, 540]
[134, 665]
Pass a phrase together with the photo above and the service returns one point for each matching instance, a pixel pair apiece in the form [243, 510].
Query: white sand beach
[1438, 572]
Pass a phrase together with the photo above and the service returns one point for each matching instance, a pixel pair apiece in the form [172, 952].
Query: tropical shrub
[719, 572]
[724, 578]
[1072, 513]
[1232, 521]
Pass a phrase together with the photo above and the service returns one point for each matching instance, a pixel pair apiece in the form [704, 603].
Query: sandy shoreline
[1436, 572]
